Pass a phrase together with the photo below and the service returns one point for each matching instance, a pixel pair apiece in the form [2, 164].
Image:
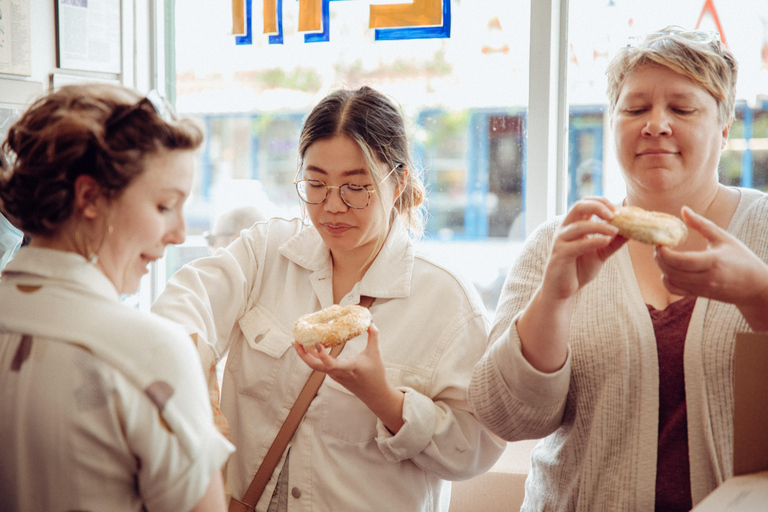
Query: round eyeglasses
[316, 191]
[354, 196]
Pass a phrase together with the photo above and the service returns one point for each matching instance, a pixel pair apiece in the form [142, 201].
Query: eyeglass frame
[159, 103]
[329, 187]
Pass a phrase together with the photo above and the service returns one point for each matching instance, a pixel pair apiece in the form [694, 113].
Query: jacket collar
[68, 268]
[389, 276]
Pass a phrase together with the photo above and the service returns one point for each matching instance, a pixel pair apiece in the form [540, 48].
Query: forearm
[543, 328]
[387, 405]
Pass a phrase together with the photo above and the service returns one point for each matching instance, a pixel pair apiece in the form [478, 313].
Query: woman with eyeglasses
[390, 423]
[102, 406]
[620, 354]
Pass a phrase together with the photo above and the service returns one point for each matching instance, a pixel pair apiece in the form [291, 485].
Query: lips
[656, 151]
[337, 228]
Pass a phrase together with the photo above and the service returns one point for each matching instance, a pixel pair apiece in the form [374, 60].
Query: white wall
[139, 69]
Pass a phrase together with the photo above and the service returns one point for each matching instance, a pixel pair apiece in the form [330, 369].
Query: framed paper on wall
[15, 97]
[15, 40]
[88, 35]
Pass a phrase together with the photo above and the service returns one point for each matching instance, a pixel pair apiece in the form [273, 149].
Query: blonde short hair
[696, 54]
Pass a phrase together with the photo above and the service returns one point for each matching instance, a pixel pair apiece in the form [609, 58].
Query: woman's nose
[334, 202]
[657, 123]
[178, 232]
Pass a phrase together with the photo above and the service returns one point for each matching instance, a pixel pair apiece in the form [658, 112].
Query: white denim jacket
[245, 299]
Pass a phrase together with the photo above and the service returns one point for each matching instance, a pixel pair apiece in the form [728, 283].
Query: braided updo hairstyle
[103, 131]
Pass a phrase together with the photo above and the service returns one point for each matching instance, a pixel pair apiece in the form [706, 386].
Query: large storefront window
[463, 86]
[597, 29]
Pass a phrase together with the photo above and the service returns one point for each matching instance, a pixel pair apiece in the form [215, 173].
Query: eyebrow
[173, 190]
[676, 95]
[353, 172]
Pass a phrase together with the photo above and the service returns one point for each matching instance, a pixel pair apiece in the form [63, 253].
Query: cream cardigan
[598, 415]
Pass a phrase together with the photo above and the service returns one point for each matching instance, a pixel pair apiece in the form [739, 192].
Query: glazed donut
[332, 325]
[653, 228]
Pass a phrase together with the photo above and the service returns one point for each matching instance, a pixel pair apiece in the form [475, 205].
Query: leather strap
[275, 452]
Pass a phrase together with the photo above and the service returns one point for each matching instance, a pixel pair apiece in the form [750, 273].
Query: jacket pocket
[345, 416]
[261, 356]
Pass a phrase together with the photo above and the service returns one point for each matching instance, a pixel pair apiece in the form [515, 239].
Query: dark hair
[376, 124]
[103, 131]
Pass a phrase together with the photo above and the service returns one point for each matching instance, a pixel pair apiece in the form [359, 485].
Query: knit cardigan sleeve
[513, 399]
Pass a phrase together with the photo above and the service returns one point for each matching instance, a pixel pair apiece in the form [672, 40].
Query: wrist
[754, 310]
[388, 407]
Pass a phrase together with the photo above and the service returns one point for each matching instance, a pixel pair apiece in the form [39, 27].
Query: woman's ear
[88, 197]
[402, 181]
[726, 130]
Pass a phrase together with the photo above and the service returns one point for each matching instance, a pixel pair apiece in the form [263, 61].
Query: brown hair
[103, 131]
[376, 124]
[696, 54]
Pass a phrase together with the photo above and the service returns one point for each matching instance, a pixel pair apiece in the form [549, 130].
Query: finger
[584, 228]
[586, 208]
[616, 243]
[670, 260]
[373, 335]
[570, 250]
[322, 353]
[305, 356]
[706, 227]
[674, 289]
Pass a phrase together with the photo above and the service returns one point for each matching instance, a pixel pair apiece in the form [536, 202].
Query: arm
[206, 298]
[726, 271]
[214, 499]
[432, 426]
[579, 250]
[520, 386]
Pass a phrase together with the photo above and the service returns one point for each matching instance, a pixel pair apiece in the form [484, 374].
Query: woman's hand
[363, 375]
[580, 248]
[726, 271]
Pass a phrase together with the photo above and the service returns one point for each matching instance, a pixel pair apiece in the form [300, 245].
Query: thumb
[373, 337]
[706, 227]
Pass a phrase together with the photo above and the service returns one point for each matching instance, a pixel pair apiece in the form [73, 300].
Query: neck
[699, 200]
[351, 264]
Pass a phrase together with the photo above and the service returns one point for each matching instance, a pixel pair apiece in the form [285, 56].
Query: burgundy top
[673, 475]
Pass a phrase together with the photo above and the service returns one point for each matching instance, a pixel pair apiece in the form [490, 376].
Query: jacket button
[296, 492]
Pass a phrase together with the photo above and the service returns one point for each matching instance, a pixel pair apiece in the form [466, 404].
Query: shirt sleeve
[169, 477]
[206, 298]
[440, 433]
[512, 398]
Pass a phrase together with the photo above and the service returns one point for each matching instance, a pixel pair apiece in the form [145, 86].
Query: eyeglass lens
[315, 192]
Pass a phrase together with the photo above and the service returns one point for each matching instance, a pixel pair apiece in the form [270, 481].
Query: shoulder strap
[275, 452]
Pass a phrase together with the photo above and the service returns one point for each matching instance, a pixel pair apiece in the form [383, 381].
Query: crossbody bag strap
[275, 452]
